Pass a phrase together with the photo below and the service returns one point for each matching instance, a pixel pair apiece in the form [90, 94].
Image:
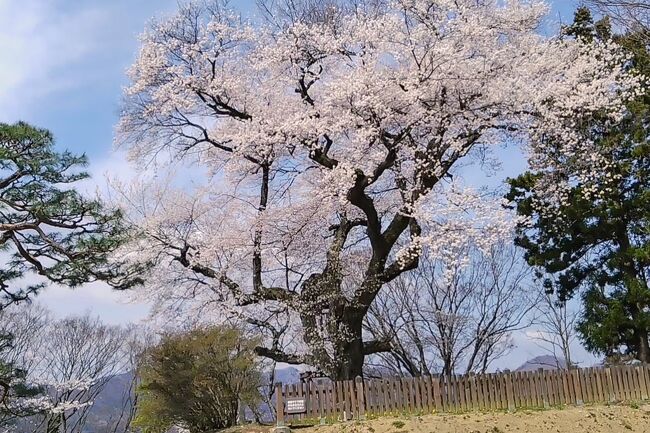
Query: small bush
[196, 379]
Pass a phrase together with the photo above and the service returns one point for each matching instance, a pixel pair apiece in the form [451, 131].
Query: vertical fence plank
[326, 398]
[386, 396]
[469, 396]
[523, 389]
[533, 388]
[394, 396]
[606, 383]
[644, 382]
[510, 398]
[637, 382]
[493, 392]
[549, 376]
[412, 395]
[338, 399]
[452, 393]
[584, 385]
[313, 399]
[517, 388]
[622, 383]
[293, 393]
[462, 404]
[320, 390]
[417, 393]
[577, 384]
[299, 394]
[613, 383]
[541, 386]
[437, 397]
[331, 400]
[431, 405]
[279, 404]
[370, 397]
[308, 399]
[378, 393]
[481, 392]
[557, 387]
[632, 382]
[564, 385]
[361, 404]
[626, 383]
[473, 392]
[406, 390]
[352, 400]
[377, 397]
[602, 382]
[432, 393]
[600, 395]
[458, 390]
[424, 390]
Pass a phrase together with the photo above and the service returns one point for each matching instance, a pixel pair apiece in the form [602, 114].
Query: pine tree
[596, 242]
[46, 226]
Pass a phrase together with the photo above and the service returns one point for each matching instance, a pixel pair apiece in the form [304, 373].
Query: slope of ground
[588, 419]
[596, 419]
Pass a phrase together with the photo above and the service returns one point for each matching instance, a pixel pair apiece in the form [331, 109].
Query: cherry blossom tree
[327, 144]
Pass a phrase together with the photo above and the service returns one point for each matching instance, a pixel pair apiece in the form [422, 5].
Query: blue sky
[62, 67]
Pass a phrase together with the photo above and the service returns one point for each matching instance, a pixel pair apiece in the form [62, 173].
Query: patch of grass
[496, 429]
[398, 424]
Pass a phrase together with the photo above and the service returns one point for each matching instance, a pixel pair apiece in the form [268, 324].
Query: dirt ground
[587, 419]
[596, 419]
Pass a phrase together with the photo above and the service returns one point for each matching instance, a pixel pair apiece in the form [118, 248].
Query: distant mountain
[546, 362]
[287, 375]
[111, 405]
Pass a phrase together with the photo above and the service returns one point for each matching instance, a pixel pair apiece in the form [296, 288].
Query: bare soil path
[587, 419]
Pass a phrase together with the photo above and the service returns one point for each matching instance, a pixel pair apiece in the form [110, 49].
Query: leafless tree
[629, 15]
[138, 339]
[281, 12]
[447, 319]
[80, 355]
[27, 326]
[555, 322]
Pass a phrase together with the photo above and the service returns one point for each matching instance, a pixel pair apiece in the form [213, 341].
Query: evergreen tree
[46, 226]
[596, 242]
[14, 390]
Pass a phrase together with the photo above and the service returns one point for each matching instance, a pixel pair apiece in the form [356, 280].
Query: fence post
[543, 387]
[360, 398]
[509, 391]
[279, 405]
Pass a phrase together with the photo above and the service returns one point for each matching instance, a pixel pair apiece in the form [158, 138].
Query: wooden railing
[326, 401]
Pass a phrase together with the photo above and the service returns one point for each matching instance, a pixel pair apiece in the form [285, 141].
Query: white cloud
[98, 298]
[38, 46]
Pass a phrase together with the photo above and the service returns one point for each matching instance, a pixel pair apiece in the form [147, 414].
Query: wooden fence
[325, 400]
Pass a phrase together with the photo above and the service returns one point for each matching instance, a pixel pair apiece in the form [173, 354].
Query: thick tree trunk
[643, 352]
[349, 354]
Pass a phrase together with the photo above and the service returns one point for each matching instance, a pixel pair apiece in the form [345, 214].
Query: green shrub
[196, 380]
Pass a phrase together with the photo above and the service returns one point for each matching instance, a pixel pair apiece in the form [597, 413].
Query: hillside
[546, 362]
